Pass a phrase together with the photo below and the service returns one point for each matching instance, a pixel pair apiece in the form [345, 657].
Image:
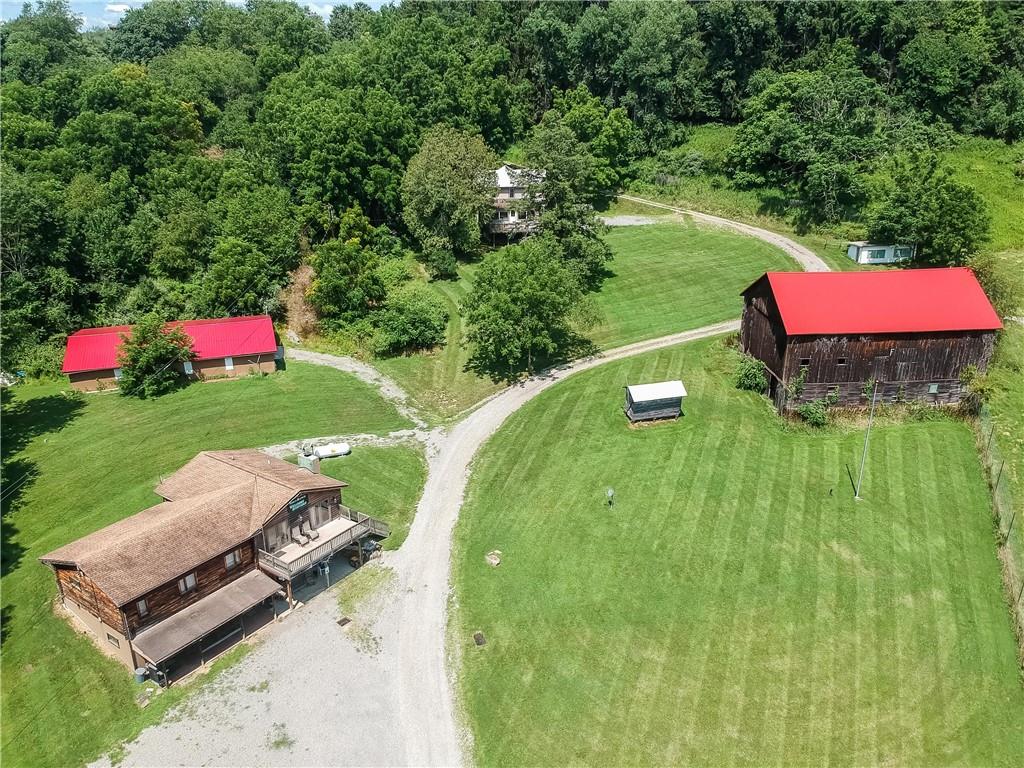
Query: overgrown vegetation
[751, 375]
[150, 355]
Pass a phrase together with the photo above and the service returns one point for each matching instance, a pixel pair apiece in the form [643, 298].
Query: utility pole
[867, 435]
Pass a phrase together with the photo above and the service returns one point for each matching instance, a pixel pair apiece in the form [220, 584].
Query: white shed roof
[662, 390]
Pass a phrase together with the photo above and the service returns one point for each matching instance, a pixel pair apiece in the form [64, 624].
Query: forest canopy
[185, 161]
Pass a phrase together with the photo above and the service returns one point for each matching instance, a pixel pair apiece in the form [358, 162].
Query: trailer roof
[662, 390]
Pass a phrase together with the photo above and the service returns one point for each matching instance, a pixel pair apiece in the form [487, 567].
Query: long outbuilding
[221, 347]
[911, 332]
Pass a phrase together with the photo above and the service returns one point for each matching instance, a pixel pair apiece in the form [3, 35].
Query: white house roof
[866, 244]
[514, 176]
[662, 390]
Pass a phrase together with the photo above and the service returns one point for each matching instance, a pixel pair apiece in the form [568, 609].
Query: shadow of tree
[23, 421]
[572, 346]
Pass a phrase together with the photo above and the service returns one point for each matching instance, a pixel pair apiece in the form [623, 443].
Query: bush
[413, 317]
[149, 358]
[815, 412]
[751, 375]
[42, 360]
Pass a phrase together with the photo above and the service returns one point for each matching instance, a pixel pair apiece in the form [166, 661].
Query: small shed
[662, 400]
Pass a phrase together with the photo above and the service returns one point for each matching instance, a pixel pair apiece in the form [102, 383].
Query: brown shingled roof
[215, 502]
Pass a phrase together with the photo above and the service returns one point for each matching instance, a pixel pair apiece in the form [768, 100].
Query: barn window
[187, 583]
[117, 374]
[143, 607]
[113, 640]
[933, 389]
[231, 559]
[841, 361]
[229, 363]
[804, 362]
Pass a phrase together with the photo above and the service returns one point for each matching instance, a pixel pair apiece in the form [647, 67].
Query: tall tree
[149, 357]
[447, 193]
[518, 308]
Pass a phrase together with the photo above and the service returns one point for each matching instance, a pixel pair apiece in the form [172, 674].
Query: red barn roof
[95, 349]
[892, 301]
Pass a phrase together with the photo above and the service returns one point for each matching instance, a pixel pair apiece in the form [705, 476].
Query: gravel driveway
[378, 693]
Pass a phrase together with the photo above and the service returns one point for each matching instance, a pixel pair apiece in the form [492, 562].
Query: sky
[103, 14]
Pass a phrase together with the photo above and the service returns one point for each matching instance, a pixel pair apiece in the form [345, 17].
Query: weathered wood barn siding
[166, 600]
[74, 585]
[905, 365]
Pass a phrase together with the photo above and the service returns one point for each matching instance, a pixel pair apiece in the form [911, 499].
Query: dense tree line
[185, 161]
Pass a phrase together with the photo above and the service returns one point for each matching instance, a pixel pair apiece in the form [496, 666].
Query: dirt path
[807, 258]
[311, 693]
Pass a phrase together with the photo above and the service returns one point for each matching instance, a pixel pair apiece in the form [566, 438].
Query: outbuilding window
[117, 374]
[187, 583]
[188, 367]
[143, 607]
[841, 361]
[229, 363]
[933, 389]
[804, 362]
[231, 559]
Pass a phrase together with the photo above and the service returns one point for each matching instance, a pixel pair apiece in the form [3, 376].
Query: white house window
[231, 559]
[933, 389]
[113, 640]
[143, 607]
[188, 367]
[229, 363]
[187, 584]
[904, 253]
[117, 373]
[876, 254]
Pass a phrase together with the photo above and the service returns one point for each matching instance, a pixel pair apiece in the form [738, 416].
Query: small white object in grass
[493, 557]
[331, 450]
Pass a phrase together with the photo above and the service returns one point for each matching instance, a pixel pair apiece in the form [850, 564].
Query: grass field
[676, 276]
[438, 381]
[384, 482]
[95, 459]
[736, 605]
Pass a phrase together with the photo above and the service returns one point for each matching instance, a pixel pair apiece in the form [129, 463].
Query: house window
[113, 640]
[933, 389]
[876, 254]
[841, 361]
[117, 374]
[804, 362]
[231, 559]
[229, 363]
[187, 584]
[188, 367]
[143, 607]
[904, 253]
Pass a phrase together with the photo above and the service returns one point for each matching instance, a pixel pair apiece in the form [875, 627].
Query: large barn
[912, 332]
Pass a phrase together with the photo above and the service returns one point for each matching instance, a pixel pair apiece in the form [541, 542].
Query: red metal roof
[891, 301]
[95, 349]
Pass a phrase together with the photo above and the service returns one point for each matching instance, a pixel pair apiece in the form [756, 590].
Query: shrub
[413, 317]
[815, 412]
[42, 360]
[751, 375]
[149, 358]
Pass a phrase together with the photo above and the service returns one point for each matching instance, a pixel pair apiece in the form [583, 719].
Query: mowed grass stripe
[702, 622]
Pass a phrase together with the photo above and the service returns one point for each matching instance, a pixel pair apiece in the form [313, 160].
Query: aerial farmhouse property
[235, 532]
[512, 184]
[864, 252]
[911, 332]
[222, 347]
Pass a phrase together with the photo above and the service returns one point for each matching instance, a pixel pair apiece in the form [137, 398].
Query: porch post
[291, 600]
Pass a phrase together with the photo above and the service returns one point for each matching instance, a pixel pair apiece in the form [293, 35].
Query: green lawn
[736, 605]
[94, 459]
[384, 482]
[437, 381]
[988, 165]
[675, 276]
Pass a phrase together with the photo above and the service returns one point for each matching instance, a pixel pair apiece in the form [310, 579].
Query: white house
[864, 252]
[512, 184]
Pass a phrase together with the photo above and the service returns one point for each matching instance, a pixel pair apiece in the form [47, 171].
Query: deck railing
[364, 525]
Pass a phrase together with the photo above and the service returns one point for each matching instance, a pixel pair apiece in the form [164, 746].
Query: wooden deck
[293, 558]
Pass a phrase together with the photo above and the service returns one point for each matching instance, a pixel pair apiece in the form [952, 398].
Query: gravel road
[378, 692]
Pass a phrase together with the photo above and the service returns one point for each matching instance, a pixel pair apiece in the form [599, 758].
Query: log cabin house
[235, 529]
[221, 348]
[911, 332]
